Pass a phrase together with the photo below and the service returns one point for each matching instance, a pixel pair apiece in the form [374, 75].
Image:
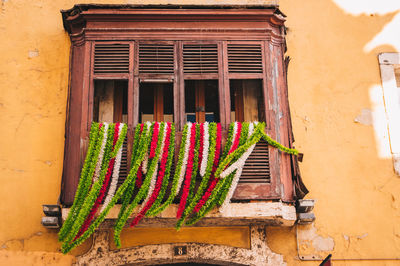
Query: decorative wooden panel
[111, 58]
[256, 168]
[156, 58]
[200, 58]
[245, 58]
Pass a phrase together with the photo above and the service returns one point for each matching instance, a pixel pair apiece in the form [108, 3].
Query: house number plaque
[180, 250]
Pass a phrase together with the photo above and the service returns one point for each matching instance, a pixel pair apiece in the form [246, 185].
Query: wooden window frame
[90, 24]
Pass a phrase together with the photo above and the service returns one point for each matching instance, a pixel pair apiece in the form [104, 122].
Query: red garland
[214, 180]
[139, 174]
[139, 177]
[160, 179]
[201, 144]
[154, 140]
[237, 138]
[188, 175]
[102, 190]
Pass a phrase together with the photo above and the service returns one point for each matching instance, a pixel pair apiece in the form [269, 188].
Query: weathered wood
[200, 104]
[242, 27]
[73, 127]
[158, 91]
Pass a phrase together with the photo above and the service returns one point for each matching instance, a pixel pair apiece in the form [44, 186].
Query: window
[136, 64]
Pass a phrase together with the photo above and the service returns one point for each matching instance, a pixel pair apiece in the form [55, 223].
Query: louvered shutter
[200, 58]
[245, 58]
[156, 59]
[123, 171]
[111, 58]
[256, 168]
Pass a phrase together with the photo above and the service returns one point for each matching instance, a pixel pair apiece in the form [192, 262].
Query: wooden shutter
[111, 58]
[200, 58]
[124, 170]
[256, 168]
[156, 58]
[245, 58]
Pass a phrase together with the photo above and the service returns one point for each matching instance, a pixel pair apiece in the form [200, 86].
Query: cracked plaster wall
[330, 79]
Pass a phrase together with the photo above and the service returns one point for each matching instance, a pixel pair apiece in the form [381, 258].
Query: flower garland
[94, 191]
[103, 188]
[164, 185]
[220, 190]
[115, 175]
[141, 134]
[214, 181]
[204, 146]
[144, 189]
[213, 145]
[238, 166]
[189, 170]
[154, 176]
[154, 194]
[130, 180]
[95, 140]
[178, 170]
[101, 155]
[152, 154]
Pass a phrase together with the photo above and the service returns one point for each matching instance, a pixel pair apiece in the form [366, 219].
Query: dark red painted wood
[94, 23]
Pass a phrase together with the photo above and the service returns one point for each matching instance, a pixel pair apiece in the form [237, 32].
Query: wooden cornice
[94, 17]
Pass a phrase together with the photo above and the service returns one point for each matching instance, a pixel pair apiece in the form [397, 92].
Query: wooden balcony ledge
[266, 213]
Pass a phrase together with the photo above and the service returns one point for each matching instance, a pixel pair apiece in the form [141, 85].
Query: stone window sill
[267, 213]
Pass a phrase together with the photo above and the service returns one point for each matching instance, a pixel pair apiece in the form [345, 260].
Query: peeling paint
[365, 118]
[33, 53]
[311, 242]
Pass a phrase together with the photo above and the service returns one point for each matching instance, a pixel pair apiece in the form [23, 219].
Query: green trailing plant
[195, 165]
[130, 180]
[277, 145]
[142, 193]
[87, 192]
[221, 189]
[203, 185]
[164, 184]
[95, 139]
[227, 183]
[175, 180]
[139, 137]
[229, 140]
[94, 191]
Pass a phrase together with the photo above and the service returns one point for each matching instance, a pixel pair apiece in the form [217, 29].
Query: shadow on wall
[340, 124]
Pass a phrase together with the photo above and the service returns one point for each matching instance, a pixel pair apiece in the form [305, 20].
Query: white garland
[163, 141]
[146, 155]
[101, 154]
[206, 145]
[235, 131]
[115, 174]
[185, 158]
[239, 164]
[155, 173]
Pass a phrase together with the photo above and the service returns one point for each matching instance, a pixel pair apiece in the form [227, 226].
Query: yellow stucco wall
[333, 77]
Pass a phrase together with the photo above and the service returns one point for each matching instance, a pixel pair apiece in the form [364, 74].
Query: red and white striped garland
[188, 174]
[156, 157]
[205, 150]
[152, 195]
[101, 154]
[238, 166]
[185, 158]
[115, 174]
[102, 190]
